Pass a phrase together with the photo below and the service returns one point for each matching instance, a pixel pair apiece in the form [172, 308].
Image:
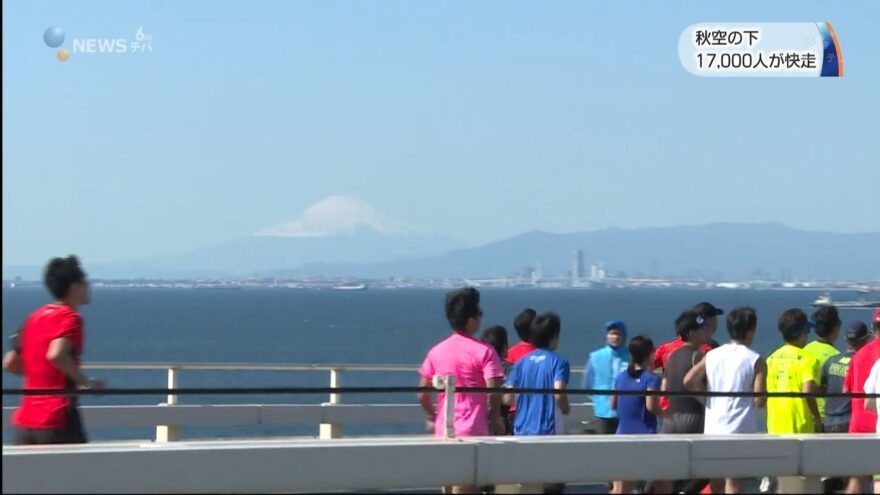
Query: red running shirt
[661, 356]
[861, 421]
[50, 322]
[514, 354]
[517, 351]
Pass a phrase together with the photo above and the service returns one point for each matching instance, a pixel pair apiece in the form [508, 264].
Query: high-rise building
[537, 273]
[577, 269]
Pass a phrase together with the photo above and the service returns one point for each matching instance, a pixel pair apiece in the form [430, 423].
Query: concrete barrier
[388, 463]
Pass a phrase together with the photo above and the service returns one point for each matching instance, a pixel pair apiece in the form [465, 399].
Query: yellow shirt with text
[788, 368]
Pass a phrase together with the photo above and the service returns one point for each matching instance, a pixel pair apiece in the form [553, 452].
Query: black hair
[827, 319]
[791, 322]
[687, 322]
[523, 323]
[545, 328]
[462, 305]
[740, 321]
[61, 273]
[640, 349]
[496, 336]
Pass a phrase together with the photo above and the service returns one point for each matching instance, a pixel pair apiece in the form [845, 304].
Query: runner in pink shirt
[472, 363]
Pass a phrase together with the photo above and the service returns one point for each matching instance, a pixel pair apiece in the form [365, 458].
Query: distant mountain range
[716, 251]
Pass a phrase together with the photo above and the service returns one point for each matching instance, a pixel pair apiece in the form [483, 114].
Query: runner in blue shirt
[540, 414]
[636, 413]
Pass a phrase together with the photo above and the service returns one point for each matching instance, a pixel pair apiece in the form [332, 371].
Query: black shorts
[72, 433]
[683, 422]
[844, 428]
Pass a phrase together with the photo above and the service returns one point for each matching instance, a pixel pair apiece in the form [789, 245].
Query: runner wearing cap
[684, 414]
[664, 350]
[791, 369]
[732, 367]
[837, 410]
[827, 326]
[602, 367]
[710, 313]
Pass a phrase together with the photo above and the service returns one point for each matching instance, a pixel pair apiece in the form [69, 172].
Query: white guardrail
[329, 416]
[288, 466]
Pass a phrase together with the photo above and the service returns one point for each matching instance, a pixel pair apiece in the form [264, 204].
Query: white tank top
[730, 368]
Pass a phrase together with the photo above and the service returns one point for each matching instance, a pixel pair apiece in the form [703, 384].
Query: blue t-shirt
[632, 412]
[536, 414]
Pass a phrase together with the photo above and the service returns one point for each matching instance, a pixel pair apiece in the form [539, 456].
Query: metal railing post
[327, 431]
[169, 433]
[449, 406]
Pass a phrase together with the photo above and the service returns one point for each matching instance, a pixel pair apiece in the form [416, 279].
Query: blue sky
[476, 120]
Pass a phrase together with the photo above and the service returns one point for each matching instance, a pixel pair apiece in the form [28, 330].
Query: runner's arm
[59, 354]
[652, 403]
[695, 379]
[425, 398]
[509, 398]
[810, 387]
[495, 406]
[759, 386]
[12, 357]
[12, 362]
[872, 386]
[561, 399]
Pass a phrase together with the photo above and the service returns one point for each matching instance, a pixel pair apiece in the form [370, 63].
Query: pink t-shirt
[472, 363]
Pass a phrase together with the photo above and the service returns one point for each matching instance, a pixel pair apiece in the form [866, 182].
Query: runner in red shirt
[862, 420]
[522, 324]
[47, 353]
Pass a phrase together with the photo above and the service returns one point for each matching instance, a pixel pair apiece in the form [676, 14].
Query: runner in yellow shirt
[827, 322]
[791, 369]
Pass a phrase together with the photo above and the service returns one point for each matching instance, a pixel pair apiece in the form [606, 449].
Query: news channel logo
[54, 37]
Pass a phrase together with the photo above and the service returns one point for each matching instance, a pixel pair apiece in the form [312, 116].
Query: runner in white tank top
[730, 368]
